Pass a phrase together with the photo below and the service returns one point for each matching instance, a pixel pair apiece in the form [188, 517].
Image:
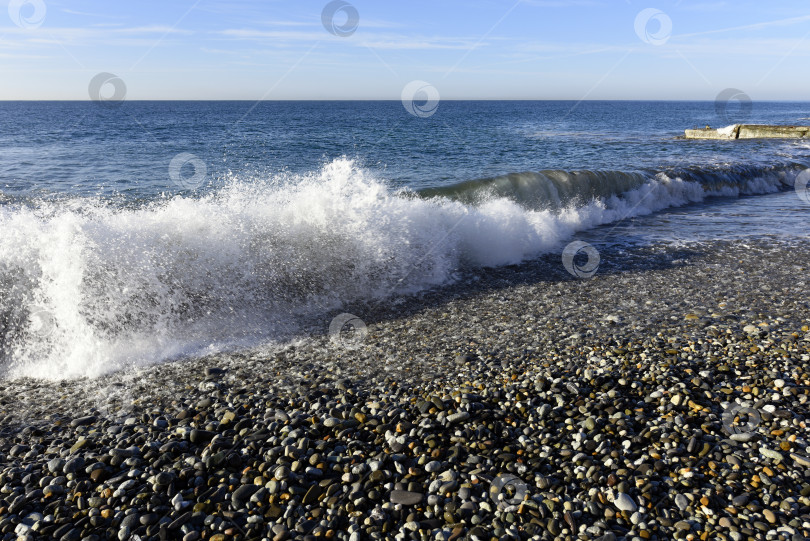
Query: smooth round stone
[682, 502]
[624, 502]
[200, 436]
[433, 466]
[130, 521]
[405, 497]
[741, 500]
[73, 465]
[458, 417]
[242, 495]
[56, 465]
[83, 421]
[331, 422]
[164, 478]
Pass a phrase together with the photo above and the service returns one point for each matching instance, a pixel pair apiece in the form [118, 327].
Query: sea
[135, 233]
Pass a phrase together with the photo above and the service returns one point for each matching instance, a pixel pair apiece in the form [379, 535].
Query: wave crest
[86, 288]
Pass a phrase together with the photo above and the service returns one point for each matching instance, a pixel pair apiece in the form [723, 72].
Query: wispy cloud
[422, 43]
[704, 6]
[92, 32]
[756, 26]
[286, 23]
[89, 14]
[744, 47]
[272, 35]
[379, 41]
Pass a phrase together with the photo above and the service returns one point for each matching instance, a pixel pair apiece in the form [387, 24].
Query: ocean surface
[141, 232]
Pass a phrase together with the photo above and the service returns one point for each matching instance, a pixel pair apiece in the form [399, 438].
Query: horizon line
[111, 102]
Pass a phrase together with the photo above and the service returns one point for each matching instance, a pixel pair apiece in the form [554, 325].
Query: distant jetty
[750, 131]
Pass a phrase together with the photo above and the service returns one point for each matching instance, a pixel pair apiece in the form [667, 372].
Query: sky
[373, 49]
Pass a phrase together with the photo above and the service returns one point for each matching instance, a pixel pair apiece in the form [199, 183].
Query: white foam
[728, 131]
[252, 261]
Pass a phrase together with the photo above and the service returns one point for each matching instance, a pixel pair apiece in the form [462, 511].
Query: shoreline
[523, 402]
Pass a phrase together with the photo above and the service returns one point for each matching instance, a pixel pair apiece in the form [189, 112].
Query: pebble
[623, 502]
[433, 466]
[519, 412]
[405, 497]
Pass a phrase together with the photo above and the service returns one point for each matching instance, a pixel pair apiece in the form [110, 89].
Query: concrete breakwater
[750, 131]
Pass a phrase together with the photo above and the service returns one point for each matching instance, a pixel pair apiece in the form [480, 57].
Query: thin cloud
[72, 32]
[316, 23]
[286, 23]
[89, 14]
[756, 26]
[382, 41]
[706, 6]
[281, 35]
[415, 44]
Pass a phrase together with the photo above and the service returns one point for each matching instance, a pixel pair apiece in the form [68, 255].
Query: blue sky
[488, 49]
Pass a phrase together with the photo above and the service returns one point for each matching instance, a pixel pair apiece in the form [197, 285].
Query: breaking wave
[87, 287]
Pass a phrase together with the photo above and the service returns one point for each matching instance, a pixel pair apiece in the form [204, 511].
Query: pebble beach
[665, 398]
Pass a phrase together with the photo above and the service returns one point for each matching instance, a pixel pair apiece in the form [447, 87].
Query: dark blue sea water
[94, 148]
[136, 232]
